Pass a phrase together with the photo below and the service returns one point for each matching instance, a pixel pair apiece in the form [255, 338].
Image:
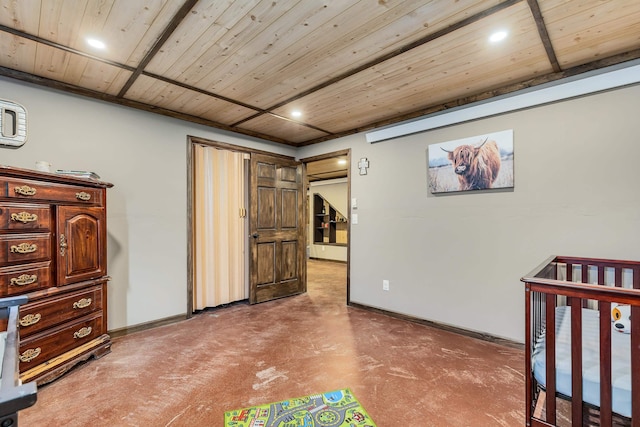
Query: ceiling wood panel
[62, 66]
[173, 97]
[129, 27]
[340, 35]
[331, 168]
[585, 30]
[97, 76]
[349, 66]
[20, 15]
[281, 128]
[61, 21]
[17, 53]
[393, 83]
[244, 70]
[197, 35]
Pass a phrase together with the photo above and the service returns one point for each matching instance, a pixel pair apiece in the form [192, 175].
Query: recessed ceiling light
[296, 113]
[498, 36]
[342, 162]
[96, 43]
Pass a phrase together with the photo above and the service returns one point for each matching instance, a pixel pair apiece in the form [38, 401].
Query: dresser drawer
[41, 348]
[25, 278]
[25, 189]
[37, 316]
[27, 217]
[22, 248]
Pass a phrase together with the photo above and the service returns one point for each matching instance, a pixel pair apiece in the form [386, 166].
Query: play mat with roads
[333, 409]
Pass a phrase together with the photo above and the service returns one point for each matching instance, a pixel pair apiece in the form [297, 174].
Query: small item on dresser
[43, 166]
[81, 174]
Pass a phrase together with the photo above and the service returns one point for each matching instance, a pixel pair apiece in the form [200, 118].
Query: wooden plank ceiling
[347, 66]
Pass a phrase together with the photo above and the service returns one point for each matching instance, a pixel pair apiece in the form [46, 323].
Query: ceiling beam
[544, 35]
[66, 87]
[202, 91]
[173, 24]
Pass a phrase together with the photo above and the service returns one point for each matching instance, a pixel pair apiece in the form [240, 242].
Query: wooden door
[277, 228]
[81, 244]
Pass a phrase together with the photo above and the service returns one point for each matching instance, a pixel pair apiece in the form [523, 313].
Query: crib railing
[580, 282]
[14, 396]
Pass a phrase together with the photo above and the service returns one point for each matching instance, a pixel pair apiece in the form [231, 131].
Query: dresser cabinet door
[81, 244]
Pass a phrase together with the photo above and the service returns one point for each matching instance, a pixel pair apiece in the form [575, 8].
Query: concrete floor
[189, 373]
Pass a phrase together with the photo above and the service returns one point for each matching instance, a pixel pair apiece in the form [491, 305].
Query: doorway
[328, 181]
[269, 206]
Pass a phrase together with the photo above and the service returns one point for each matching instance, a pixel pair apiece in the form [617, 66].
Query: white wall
[144, 156]
[457, 258]
[334, 191]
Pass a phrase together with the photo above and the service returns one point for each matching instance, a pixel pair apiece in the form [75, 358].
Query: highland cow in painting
[477, 167]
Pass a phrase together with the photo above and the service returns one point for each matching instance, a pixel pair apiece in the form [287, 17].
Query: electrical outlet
[385, 285]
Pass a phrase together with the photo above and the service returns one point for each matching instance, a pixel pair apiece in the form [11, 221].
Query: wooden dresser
[53, 249]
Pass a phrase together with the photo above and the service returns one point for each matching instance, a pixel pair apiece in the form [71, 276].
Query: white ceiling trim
[571, 87]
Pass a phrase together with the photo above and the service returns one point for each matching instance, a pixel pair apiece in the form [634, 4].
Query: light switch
[354, 203]
[354, 218]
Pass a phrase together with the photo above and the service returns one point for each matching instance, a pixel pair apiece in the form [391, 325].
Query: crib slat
[576, 360]
[584, 270]
[635, 359]
[550, 341]
[601, 275]
[527, 350]
[635, 355]
[618, 278]
[605, 363]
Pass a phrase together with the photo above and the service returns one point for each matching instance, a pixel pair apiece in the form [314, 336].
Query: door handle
[255, 235]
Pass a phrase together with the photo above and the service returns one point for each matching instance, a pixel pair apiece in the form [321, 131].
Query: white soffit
[571, 87]
[328, 182]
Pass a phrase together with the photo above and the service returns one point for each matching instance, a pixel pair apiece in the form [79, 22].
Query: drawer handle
[83, 196]
[24, 217]
[84, 302]
[63, 244]
[25, 190]
[24, 280]
[30, 319]
[29, 355]
[82, 332]
[24, 248]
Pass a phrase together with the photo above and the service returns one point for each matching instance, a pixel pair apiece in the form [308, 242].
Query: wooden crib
[598, 398]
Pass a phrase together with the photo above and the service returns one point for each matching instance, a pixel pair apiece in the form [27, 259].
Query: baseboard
[147, 325]
[456, 330]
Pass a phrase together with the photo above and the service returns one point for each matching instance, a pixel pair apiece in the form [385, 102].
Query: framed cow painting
[482, 162]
